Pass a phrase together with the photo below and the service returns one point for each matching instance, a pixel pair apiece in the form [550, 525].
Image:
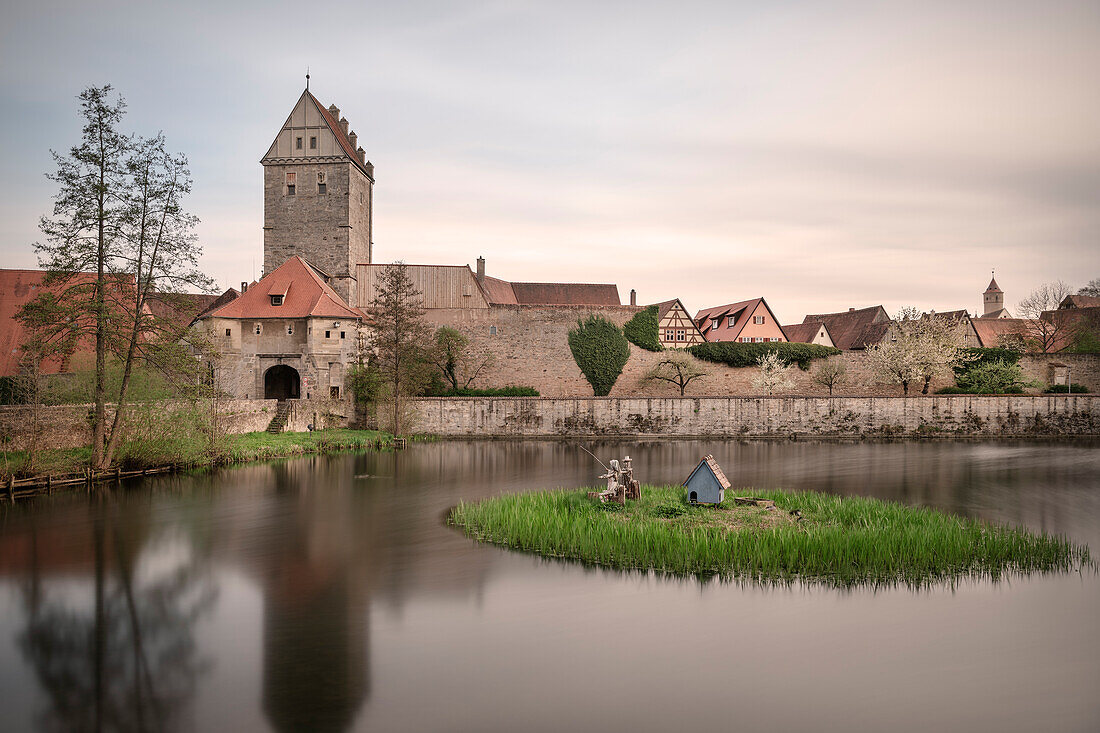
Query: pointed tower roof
[304, 293]
[993, 286]
[343, 146]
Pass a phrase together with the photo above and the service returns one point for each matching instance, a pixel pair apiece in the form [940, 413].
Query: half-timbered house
[675, 328]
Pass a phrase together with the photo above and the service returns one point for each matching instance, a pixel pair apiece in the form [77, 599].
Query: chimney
[851, 310]
[344, 126]
[334, 111]
[481, 269]
[633, 296]
[353, 139]
[244, 287]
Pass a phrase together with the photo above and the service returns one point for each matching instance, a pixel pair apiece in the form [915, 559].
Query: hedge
[1061, 389]
[641, 330]
[600, 350]
[492, 392]
[738, 355]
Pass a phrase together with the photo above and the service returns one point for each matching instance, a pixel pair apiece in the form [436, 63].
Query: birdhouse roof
[711, 465]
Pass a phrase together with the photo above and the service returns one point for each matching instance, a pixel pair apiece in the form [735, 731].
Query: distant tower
[994, 300]
[318, 195]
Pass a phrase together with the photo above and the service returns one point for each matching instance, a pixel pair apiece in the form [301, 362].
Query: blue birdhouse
[707, 484]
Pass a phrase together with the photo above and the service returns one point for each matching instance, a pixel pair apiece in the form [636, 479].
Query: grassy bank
[190, 453]
[837, 541]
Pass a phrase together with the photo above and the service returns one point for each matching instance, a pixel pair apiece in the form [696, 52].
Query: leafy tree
[1093, 288]
[1046, 331]
[677, 368]
[830, 374]
[774, 374]
[641, 330]
[399, 338]
[457, 363]
[600, 350]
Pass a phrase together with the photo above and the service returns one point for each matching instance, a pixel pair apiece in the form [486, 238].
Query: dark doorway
[282, 383]
[693, 497]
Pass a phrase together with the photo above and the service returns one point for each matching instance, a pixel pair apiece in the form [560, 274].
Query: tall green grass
[841, 540]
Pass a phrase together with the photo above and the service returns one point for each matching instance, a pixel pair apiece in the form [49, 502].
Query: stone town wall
[69, 426]
[529, 344]
[530, 348]
[949, 416]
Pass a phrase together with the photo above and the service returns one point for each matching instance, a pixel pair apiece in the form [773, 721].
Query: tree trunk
[905, 389]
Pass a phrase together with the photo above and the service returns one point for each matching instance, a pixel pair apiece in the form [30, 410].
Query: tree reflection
[121, 655]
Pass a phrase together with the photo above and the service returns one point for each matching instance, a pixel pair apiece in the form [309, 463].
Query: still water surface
[325, 594]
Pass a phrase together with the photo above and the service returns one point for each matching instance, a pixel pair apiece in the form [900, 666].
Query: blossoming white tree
[774, 375]
[917, 349]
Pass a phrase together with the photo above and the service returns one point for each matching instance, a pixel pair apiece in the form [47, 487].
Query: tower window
[290, 329]
[328, 334]
[492, 330]
[341, 334]
[297, 143]
[312, 143]
[322, 187]
[259, 329]
[228, 332]
[291, 183]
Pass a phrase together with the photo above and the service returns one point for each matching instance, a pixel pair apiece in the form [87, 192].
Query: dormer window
[322, 187]
[276, 300]
[291, 183]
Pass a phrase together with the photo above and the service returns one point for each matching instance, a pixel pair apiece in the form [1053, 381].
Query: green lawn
[838, 541]
[231, 449]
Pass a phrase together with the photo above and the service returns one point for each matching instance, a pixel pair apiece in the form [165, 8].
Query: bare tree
[774, 374]
[456, 361]
[1093, 288]
[830, 374]
[677, 368]
[1047, 331]
[399, 336]
[83, 235]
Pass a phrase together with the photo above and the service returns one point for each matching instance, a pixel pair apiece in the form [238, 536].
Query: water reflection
[370, 612]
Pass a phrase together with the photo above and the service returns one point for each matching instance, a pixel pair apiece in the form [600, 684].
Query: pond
[326, 594]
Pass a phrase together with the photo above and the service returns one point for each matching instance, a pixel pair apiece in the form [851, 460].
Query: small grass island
[814, 537]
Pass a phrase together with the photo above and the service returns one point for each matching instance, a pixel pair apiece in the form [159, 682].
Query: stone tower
[318, 196]
[994, 301]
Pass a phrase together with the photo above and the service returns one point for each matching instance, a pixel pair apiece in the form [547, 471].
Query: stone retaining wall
[964, 415]
[69, 426]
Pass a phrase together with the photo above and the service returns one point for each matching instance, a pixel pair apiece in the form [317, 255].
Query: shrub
[491, 392]
[746, 355]
[641, 330]
[600, 350]
[992, 377]
[1061, 389]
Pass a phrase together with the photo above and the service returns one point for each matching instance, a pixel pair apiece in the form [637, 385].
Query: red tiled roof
[804, 333]
[226, 297]
[499, 291]
[665, 307]
[991, 330]
[338, 131]
[565, 294]
[993, 288]
[305, 295]
[740, 313]
[852, 329]
[182, 308]
[1079, 301]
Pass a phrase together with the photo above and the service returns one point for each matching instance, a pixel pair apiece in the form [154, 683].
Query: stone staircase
[282, 415]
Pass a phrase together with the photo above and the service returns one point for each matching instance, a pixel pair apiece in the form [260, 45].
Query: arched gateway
[282, 382]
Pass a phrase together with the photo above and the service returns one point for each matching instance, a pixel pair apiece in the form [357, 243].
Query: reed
[839, 540]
